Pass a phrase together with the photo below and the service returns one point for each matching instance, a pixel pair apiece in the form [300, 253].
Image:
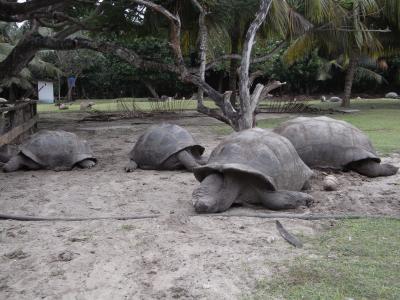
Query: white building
[45, 92]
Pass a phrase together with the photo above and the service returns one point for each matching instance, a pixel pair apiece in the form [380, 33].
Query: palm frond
[300, 48]
[367, 74]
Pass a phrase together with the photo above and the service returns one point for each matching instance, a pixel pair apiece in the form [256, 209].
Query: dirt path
[175, 256]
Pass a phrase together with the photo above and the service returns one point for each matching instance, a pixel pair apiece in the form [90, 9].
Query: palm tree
[350, 28]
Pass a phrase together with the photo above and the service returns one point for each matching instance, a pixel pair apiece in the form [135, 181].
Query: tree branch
[17, 12]
[255, 60]
[247, 49]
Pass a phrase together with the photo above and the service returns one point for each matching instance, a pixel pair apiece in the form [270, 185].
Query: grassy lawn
[378, 118]
[115, 105]
[354, 260]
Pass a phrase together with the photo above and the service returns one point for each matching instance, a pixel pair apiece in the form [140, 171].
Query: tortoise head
[217, 192]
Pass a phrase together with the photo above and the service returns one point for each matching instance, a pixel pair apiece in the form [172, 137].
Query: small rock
[330, 183]
[392, 95]
[63, 106]
[57, 272]
[335, 99]
[65, 256]
[17, 254]
[86, 105]
[11, 234]
[271, 239]
[332, 256]
[78, 239]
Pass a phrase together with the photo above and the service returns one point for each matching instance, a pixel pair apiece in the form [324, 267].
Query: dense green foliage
[321, 35]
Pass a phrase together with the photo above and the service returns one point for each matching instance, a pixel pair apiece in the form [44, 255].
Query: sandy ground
[176, 256]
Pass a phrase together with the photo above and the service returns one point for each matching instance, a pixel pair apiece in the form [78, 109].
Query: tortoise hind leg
[87, 163]
[187, 160]
[131, 166]
[372, 168]
[277, 200]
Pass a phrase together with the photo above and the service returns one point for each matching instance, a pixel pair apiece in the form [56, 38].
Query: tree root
[291, 239]
[65, 219]
[309, 217]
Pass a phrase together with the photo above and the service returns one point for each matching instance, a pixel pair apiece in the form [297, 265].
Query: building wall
[45, 92]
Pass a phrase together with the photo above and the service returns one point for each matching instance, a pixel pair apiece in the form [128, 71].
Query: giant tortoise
[324, 142]
[252, 166]
[53, 150]
[165, 147]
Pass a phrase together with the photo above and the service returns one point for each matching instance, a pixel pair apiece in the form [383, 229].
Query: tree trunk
[151, 89]
[69, 94]
[249, 102]
[11, 93]
[348, 84]
[221, 82]
[234, 63]
[202, 41]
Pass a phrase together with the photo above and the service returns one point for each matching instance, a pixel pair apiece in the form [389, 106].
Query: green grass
[112, 105]
[355, 260]
[378, 118]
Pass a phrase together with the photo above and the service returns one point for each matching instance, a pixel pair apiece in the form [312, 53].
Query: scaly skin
[217, 192]
[87, 164]
[20, 162]
[372, 168]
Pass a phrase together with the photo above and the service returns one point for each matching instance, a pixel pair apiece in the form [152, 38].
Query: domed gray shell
[53, 149]
[259, 153]
[327, 143]
[160, 142]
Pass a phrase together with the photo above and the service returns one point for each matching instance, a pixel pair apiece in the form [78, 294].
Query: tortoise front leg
[372, 168]
[13, 164]
[131, 166]
[278, 200]
[187, 160]
[18, 162]
[216, 193]
[202, 160]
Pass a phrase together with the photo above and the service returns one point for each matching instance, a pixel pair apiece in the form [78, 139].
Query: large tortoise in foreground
[53, 150]
[165, 147]
[252, 166]
[324, 142]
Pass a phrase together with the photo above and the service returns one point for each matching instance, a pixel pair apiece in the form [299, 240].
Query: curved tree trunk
[151, 89]
[348, 84]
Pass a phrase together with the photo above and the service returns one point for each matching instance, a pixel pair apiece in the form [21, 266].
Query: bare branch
[255, 60]
[270, 87]
[248, 46]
